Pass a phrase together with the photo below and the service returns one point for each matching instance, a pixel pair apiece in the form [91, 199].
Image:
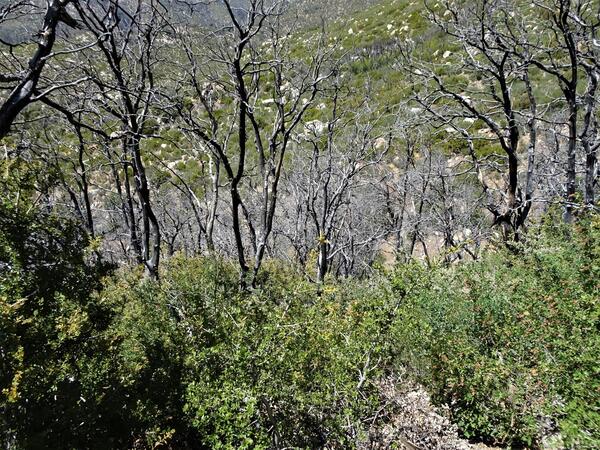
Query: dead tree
[561, 47]
[485, 33]
[24, 85]
[127, 42]
[335, 163]
[588, 22]
[264, 118]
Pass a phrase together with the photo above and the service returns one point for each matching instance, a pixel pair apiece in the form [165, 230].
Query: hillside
[345, 224]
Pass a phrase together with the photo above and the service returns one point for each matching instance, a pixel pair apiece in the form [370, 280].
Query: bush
[278, 367]
[510, 342]
[46, 324]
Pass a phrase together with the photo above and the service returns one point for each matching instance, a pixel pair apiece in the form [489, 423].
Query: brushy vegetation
[96, 357]
[509, 342]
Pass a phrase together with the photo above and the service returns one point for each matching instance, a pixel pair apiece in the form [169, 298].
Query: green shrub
[46, 324]
[193, 362]
[510, 342]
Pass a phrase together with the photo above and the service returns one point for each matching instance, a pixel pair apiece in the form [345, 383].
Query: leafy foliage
[273, 368]
[46, 319]
[509, 342]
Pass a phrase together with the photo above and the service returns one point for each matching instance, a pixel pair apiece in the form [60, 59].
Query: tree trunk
[588, 137]
[571, 162]
[21, 95]
[151, 231]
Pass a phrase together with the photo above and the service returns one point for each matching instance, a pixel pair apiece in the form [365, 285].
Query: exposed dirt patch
[408, 420]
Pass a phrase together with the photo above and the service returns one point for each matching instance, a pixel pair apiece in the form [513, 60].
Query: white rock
[315, 127]
[379, 143]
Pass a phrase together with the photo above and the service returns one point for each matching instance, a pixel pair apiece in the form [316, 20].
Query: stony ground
[408, 420]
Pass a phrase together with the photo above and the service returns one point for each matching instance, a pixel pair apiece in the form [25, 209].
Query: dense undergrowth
[509, 342]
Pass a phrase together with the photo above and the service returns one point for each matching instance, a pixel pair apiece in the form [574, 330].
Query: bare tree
[128, 42]
[486, 34]
[23, 80]
[240, 66]
[562, 45]
[588, 22]
[338, 153]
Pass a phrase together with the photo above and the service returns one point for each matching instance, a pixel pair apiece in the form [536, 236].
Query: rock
[379, 143]
[314, 127]
[553, 442]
